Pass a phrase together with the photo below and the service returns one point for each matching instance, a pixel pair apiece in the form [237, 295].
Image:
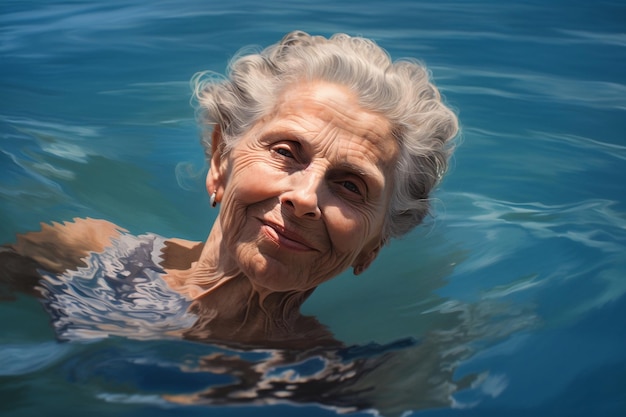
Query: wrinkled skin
[304, 193]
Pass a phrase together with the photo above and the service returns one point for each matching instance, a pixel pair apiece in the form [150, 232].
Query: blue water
[510, 301]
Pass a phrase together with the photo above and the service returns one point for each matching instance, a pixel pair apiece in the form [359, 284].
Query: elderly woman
[320, 151]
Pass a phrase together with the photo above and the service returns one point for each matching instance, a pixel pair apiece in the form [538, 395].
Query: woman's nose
[302, 197]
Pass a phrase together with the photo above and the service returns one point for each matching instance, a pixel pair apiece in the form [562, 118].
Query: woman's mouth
[285, 238]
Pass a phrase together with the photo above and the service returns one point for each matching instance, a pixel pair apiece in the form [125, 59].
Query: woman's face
[304, 192]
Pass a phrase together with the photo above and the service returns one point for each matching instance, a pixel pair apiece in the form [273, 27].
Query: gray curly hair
[401, 91]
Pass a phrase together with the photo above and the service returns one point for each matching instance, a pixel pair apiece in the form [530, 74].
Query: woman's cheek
[256, 183]
[232, 217]
[352, 228]
[344, 231]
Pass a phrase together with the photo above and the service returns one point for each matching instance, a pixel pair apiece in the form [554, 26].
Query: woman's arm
[62, 246]
[55, 248]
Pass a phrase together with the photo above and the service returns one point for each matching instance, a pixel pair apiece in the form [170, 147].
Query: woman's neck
[227, 304]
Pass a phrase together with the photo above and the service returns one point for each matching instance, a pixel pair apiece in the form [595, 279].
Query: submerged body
[120, 285]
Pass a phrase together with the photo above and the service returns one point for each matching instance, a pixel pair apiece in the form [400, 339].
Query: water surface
[508, 301]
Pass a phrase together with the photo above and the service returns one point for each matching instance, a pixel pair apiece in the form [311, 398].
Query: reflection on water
[388, 379]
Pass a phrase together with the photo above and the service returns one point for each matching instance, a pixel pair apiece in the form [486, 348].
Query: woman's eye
[350, 186]
[284, 152]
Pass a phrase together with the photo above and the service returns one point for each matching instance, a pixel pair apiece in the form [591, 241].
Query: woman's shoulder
[180, 254]
[58, 247]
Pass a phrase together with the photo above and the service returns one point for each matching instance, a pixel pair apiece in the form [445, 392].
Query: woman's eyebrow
[275, 134]
[369, 173]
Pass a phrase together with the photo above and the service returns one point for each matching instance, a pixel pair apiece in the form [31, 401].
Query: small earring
[212, 199]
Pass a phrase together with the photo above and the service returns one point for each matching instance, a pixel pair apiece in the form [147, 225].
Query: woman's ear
[216, 178]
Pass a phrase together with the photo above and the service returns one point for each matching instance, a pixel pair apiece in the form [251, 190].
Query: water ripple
[536, 87]
[581, 36]
[611, 150]
[26, 358]
[593, 222]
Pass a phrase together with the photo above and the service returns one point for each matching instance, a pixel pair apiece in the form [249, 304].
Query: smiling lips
[286, 238]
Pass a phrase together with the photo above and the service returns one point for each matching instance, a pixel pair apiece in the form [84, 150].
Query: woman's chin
[268, 273]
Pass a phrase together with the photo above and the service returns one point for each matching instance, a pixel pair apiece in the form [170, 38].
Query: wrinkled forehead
[336, 105]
